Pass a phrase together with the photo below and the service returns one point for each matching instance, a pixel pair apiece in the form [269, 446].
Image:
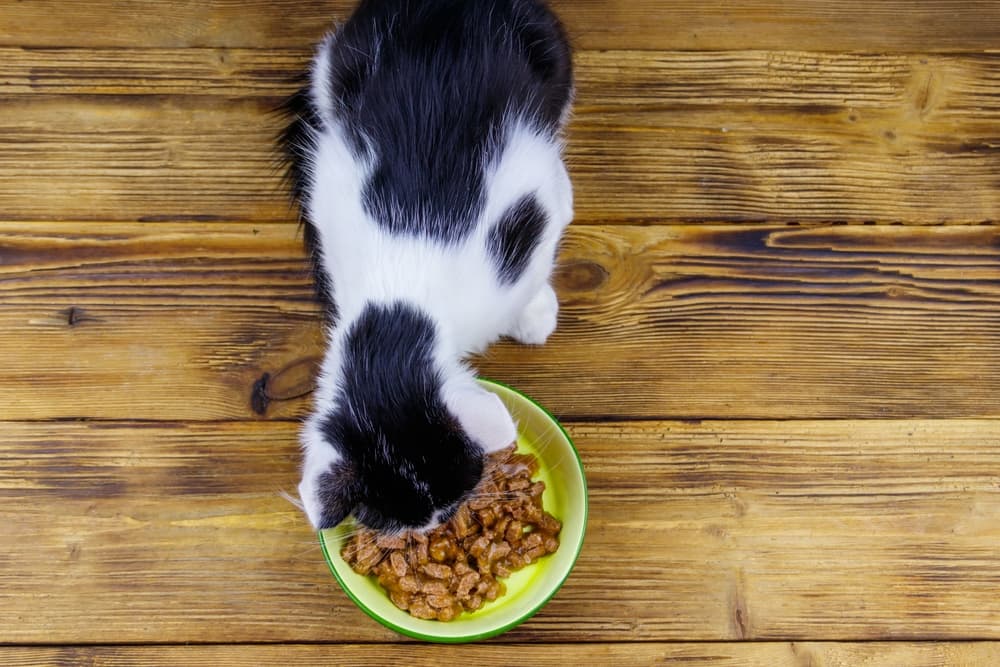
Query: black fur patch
[424, 90]
[408, 455]
[514, 237]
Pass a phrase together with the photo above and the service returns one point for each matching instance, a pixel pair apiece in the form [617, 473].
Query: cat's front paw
[538, 320]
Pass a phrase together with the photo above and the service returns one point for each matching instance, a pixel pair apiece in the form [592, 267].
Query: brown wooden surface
[711, 531]
[179, 321]
[171, 134]
[790, 426]
[813, 654]
[821, 25]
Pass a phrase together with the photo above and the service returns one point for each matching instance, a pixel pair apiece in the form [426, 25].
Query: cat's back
[425, 95]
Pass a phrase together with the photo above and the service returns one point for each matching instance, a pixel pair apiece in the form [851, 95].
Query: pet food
[458, 566]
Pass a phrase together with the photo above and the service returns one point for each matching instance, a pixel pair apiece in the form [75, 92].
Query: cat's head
[403, 438]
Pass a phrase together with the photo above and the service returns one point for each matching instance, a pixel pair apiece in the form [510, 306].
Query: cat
[425, 154]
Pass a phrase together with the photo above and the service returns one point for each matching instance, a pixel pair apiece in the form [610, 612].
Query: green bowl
[528, 589]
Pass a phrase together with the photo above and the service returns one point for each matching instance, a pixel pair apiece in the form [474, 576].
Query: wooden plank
[181, 321]
[787, 137]
[744, 654]
[847, 25]
[198, 72]
[142, 159]
[820, 530]
[679, 136]
[151, 321]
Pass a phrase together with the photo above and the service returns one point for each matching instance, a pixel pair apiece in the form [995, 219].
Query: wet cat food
[459, 566]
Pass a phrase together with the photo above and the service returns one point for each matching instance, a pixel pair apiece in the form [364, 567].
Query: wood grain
[790, 429]
[825, 530]
[846, 25]
[99, 134]
[745, 654]
[180, 321]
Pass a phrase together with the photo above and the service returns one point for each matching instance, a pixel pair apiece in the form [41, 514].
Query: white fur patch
[482, 414]
[539, 318]
[319, 455]
[319, 90]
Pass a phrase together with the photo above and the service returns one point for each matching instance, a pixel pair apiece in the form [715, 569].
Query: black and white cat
[425, 153]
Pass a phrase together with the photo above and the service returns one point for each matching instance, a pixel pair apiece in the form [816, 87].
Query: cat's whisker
[313, 547]
[351, 534]
[359, 545]
[294, 500]
[385, 554]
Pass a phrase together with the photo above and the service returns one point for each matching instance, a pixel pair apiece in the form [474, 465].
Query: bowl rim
[493, 632]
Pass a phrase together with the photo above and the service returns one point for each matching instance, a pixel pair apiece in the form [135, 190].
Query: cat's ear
[482, 415]
[336, 490]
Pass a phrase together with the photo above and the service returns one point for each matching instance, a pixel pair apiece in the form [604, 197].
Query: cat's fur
[425, 153]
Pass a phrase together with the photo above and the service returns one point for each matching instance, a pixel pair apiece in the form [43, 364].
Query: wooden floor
[778, 353]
